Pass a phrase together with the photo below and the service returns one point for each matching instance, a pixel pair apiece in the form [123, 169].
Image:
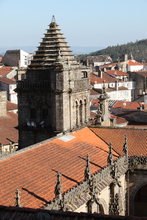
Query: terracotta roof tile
[128, 105]
[7, 81]
[134, 63]
[7, 128]
[11, 106]
[5, 70]
[137, 139]
[33, 170]
[117, 73]
[105, 78]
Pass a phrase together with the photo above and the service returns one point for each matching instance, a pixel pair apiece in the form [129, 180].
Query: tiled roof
[128, 105]
[134, 63]
[117, 73]
[95, 102]
[33, 170]
[119, 120]
[6, 80]
[11, 106]
[5, 70]
[7, 128]
[137, 139]
[105, 78]
[109, 65]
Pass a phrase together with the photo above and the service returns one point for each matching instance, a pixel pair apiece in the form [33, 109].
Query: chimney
[3, 104]
[116, 85]
[101, 74]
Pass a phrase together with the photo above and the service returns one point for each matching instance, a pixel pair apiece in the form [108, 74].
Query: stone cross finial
[87, 173]
[110, 155]
[125, 146]
[53, 18]
[17, 198]
[58, 187]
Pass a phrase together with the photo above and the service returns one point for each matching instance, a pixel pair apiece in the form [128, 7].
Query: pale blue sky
[83, 22]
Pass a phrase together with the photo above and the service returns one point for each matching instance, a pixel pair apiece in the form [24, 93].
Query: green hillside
[138, 49]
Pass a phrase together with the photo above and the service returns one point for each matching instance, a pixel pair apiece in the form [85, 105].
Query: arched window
[85, 74]
[140, 202]
[81, 112]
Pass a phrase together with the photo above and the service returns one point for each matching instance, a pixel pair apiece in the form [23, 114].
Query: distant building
[9, 86]
[8, 124]
[98, 60]
[140, 78]
[17, 58]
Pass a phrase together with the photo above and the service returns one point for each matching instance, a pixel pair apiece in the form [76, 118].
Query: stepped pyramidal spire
[52, 48]
[54, 96]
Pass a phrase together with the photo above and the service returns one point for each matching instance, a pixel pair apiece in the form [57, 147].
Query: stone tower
[54, 97]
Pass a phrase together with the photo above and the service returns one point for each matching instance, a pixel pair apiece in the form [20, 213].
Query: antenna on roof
[53, 19]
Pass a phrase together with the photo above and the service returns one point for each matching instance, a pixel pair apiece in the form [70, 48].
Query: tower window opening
[44, 113]
[33, 114]
[85, 74]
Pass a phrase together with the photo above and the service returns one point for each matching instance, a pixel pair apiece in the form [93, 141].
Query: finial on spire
[110, 155]
[125, 145]
[87, 173]
[58, 187]
[53, 19]
[17, 198]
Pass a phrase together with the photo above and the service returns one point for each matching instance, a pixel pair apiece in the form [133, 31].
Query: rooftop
[7, 81]
[33, 169]
[134, 63]
[8, 131]
[117, 73]
[4, 70]
[106, 78]
[128, 105]
[11, 106]
[137, 139]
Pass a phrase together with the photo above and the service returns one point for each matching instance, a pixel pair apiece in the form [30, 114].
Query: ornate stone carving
[125, 146]
[17, 198]
[110, 155]
[114, 205]
[88, 190]
[135, 161]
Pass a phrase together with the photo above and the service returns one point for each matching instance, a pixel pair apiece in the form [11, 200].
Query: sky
[85, 23]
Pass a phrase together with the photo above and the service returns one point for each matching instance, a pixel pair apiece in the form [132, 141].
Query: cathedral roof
[137, 139]
[8, 129]
[53, 48]
[33, 170]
